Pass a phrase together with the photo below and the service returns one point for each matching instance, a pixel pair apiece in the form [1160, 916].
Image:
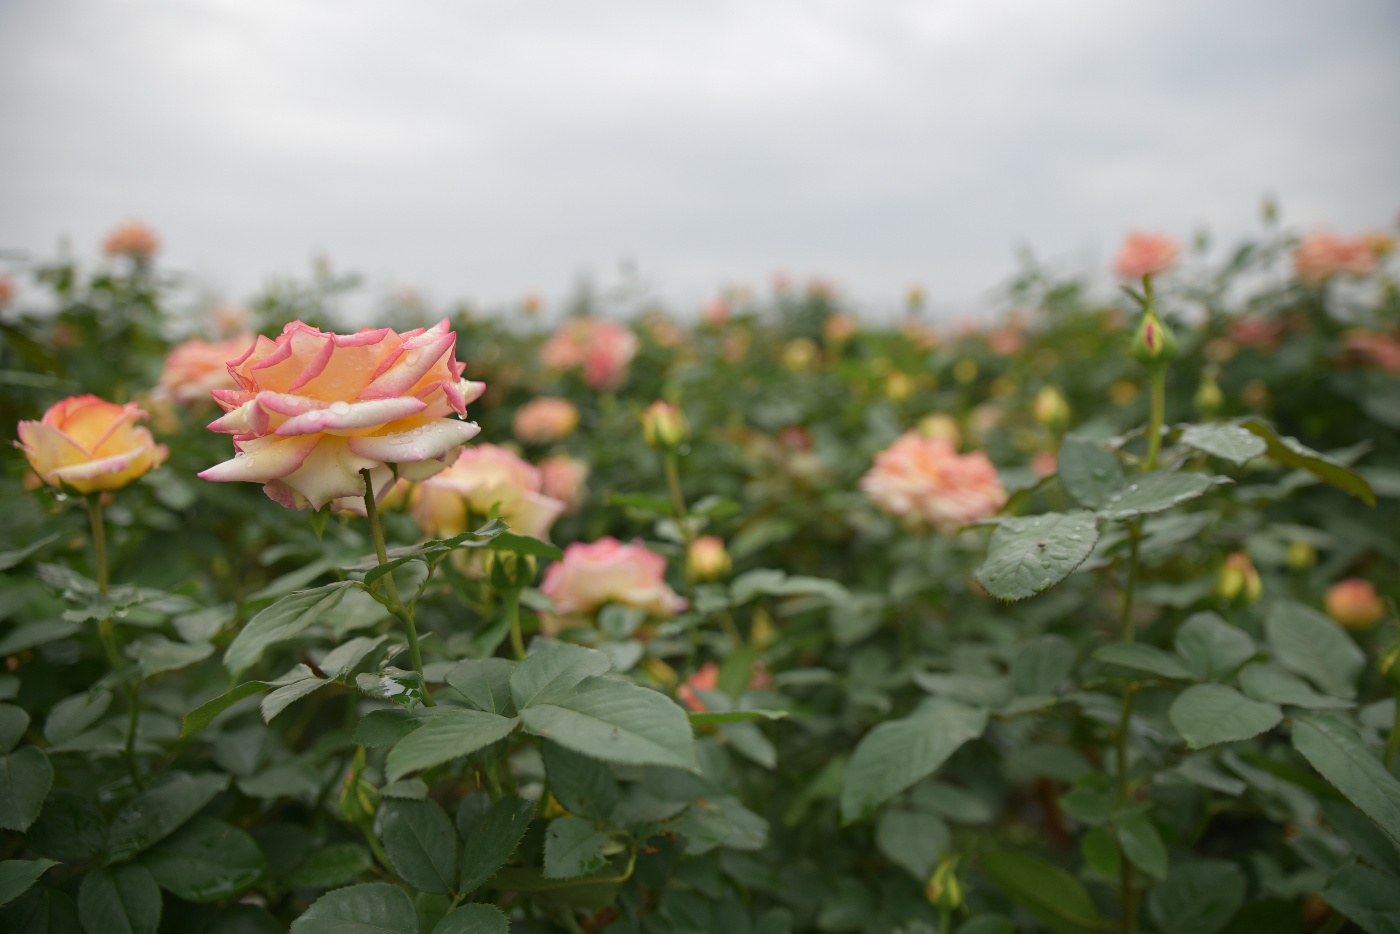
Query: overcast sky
[481, 150]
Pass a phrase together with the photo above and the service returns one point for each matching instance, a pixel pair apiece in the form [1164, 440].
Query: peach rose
[7, 291]
[708, 559]
[926, 482]
[313, 409]
[1324, 254]
[194, 369]
[481, 479]
[704, 678]
[133, 240]
[565, 479]
[1354, 603]
[602, 348]
[716, 312]
[545, 420]
[608, 571]
[90, 444]
[1146, 254]
[1372, 348]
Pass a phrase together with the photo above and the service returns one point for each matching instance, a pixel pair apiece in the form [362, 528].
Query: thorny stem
[1393, 743]
[511, 598]
[391, 592]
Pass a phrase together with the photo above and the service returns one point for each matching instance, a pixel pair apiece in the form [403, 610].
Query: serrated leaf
[119, 900]
[420, 843]
[17, 875]
[206, 860]
[582, 784]
[1225, 440]
[1157, 491]
[485, 683]
[1206, 714]
[1341, 757]
[72, 715]
[1211, 647]
[1144, 658]
[1032, 554]
[395, 685]
[473, 919]
[898, 753]
[287, 694]
[1292, 453]
[490, 839]
[552, 672]
[331, 866]
[1310, 644]
[1367, 897]
[1267, 682]
[204, 714]
[152, 815]
[1054, 897]
[1089, 472]
[70, 828]
[444, 738]
[715, 718]
[373, 908]
[1199, 897]
[573, 848]
[13, 722]
[616, 721]
[283, 620]
[25, 777]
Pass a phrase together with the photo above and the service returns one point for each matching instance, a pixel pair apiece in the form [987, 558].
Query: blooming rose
[1354, 603]
[708, 559]
[313, 409]
[602, 348]
[90, 444]
[1372, 348]
[545, 419]
[608, 571]
[1146, 254]
[1325, 254]
[194, 369]
[483, 478]
[565, 479]
[7, 291]
[924, 481]
[134, 240]
[716, 312]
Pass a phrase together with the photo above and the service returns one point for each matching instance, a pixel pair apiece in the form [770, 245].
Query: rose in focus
[312, 409]
[89, 444]
[607, 571]
[925, 482]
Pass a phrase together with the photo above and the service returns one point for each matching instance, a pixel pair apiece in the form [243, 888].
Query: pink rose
[1146, 254]
[602, 348]
[194, 369]
[565, 479]
[7, 291]
[545, 420]
[313, 409]
[89, 444]
[926, 482]
[1354, 603]
[1324, 254]
[1256, 331]
[483, 478]
[716, 312]
[133, 240]
[608, 571]
[1372, 348]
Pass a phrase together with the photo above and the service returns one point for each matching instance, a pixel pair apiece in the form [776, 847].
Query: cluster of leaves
[1060, 709]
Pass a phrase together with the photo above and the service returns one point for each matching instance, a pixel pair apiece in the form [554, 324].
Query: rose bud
[1154, 344]
[1354, 603]
[663, 425]
[1238, 576]
[707, 559]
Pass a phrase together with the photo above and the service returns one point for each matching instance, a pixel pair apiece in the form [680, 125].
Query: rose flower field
[768, 619]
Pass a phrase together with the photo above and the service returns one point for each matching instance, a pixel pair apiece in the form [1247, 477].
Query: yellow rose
[89, 444]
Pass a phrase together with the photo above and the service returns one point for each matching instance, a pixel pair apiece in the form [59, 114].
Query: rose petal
[329, 472]
[432, 439]
[113, 472]
[415, 359]
[260, 463]
[47, 446]
[344, 416]
[248, 418]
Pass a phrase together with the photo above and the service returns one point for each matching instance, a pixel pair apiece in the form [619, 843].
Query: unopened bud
[1238, 577]
[663, 425]
[1051, 409]
[944, 890]
[707, 559]
[1354, 603]
[1389, 664]
[1209, 398]
[358, 798]
[1300, 555]
[1154, 344]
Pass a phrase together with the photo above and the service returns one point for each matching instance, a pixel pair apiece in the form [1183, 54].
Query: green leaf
[72, 715]
[474, 919]
[17, 875]
[1199, 897]
[1157, 491]
[25, 777]
[1367, 897]
[204, 714]
[444, 738]
[283, 620]
[9, 559]
[553, 672]
[485, 683]
[1367, 840]
[331, 866]
[1054, 897]
[1225, 440]
[913, 840]
[715, 718]
[1141, 843]
[343, 659]
[206, 860]
[526, 545]
[1292, 453]
[1205, 714]
[1268, 682]
[1100, 852]
[153, 815]
[573, 848]
[384, 728]
[119, 900]
[374, 908]
[28, 635]
[582, 784]
[1042, 665]
[1089, 472]
[1341, 757]
[1143, 658]
[395, 685]
[989, 924]
[1029, 555]
[490, 839]
[898, 753]
[13, 722]
[280, 699]
[420, 843]
[616, 721]
[71, 827]
[157, 654]
[642, 501]
[1211, 647]
[1309, 644]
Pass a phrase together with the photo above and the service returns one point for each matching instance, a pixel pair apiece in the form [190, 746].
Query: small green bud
[1154, 344]
[1209, 398]
[944, 889]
